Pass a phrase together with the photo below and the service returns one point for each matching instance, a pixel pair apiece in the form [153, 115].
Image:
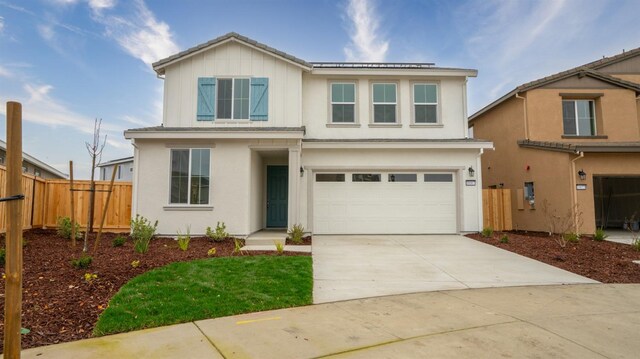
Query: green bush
[64, 228]
[3, 254]
[84, 261]
[279, 247]
[571, 237]
[141, 232]
[219, 234]
[635, 244]
[504, 239]
[600, 235]
[487, 232]
[119, 241]
[237, 245]
[184, 239]
[295, 234]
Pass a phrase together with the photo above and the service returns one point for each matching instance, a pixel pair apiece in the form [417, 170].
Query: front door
[277, 196]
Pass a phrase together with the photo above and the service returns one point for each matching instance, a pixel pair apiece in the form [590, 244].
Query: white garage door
[384, 203]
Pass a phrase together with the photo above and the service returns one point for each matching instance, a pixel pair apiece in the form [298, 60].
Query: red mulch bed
[306, 241]
[60, 306]
[606, 262]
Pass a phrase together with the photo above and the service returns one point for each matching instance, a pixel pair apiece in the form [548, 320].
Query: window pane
[200, 176]
[349, 92]
[419, 94]
[179, 176]
[569, 117]
[403, 177]
[384, 113]
[378, 93]
[337, 93]
[224, 98]
[438, 177]
[586, 126]
[365, 177]
[426, 113]
[343, 113]
[241, 99]
[390, 93]
[431, 93]
[329, 177]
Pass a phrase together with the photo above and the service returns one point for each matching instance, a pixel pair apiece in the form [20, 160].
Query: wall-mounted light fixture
[472, 172]
[301, 171]
[582, 175]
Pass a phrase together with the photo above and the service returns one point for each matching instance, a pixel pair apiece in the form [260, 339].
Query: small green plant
[504, 239]
[64, 228]
[141, 232]
[219, 234]
[635, 243]
[184, 239]
[90, 277]
[119, 241]
[487, 232]
[571, 237]
[135, 264]
[237, 245]
[3, 254]
[83, 262]
[295, 233]
[279, 246]
[600, 235]
[211, 252]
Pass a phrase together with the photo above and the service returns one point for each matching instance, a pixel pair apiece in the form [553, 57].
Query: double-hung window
[384, 103]
[190, 176]
[425, 103]
[343, 103]
[578, 117]
[233, 99]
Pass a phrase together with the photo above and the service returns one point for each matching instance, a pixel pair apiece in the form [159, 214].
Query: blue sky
[71, 61]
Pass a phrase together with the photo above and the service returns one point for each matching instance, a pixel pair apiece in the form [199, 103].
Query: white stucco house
[260, 139]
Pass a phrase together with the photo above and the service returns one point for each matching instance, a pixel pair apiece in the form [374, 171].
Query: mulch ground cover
[604, 261]
[306, 241]
[59, 305]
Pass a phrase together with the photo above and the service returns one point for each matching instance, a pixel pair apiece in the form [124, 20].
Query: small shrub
[64, 228]
[119, 241]
[184, 239]
[135, 264]
[83, 262]
[279, 246]
[141, 232]
[487, 232]
[635, 244]
[219, 234]
[504, 239]
[295, 233]
[237, 245]
[3, 254]
[571, 237]
[600, 235]
[90, 277]
[211, 252]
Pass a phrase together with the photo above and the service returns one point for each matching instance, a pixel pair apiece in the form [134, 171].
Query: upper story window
[190, 176]
[425, 103]
[384, 102]
[343, 102]
[578, 117]
[233, 99]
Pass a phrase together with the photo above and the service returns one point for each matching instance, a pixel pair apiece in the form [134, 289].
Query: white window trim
[438, 122]
[188, 204]
[356, 122]
[575, 112]
[233, 84]
[372, 122]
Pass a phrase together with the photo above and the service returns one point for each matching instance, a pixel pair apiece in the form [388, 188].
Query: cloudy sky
[71, 61]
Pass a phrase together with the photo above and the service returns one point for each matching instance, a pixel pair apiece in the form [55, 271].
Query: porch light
[582, 175]
[301, 171]
[472, 172]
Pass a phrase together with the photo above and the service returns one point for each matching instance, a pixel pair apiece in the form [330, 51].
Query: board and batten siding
[232, 60]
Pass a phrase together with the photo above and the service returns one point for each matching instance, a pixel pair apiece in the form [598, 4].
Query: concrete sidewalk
[573, 321]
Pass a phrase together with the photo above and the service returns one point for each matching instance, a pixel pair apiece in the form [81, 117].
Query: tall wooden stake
[13, 269]
[104, 211]
[73, 214]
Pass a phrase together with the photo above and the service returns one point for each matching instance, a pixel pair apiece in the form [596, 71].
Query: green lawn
[208, 288]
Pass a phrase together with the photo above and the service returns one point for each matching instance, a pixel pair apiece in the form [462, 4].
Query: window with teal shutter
[206, 98]
[259, 99]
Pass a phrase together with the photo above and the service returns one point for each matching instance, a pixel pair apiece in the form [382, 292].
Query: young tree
[95, 152]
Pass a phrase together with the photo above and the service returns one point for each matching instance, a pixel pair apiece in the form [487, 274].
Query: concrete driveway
[361, 266]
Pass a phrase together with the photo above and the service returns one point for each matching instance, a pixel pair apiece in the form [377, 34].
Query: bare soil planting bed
[604, 261]
[60, 306]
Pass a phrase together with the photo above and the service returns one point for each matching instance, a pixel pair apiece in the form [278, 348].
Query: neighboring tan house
[260, 139]
[32, 165]
[570, 140]
[125, 169]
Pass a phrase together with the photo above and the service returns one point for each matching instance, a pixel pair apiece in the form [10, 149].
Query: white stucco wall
[126, 172]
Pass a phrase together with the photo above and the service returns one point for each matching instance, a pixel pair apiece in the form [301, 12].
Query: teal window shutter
[206, 98]
[259, 99]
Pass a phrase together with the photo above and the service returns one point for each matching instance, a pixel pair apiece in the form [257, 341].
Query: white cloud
[4, 72]
[367, 44]
[1, 25]
[46, 32]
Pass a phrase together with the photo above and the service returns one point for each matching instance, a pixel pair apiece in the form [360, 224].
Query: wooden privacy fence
[46, 200]
[496, 209]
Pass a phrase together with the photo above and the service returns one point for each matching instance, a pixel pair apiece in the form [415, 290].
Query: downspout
[574, 195]
[526, 119]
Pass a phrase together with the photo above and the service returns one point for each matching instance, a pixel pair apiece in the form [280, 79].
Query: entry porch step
[266, 238]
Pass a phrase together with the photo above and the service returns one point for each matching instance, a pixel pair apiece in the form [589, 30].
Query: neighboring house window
[425, 103]
[343, 102]
[24, 168]
[1, 160]
[37, 173]
[190, 176]
[578, 117]
[384, 103]
[233, 99]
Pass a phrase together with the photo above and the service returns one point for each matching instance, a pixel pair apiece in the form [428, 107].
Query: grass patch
[208, 288]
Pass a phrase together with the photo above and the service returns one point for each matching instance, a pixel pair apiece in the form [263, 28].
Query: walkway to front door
[277, 196]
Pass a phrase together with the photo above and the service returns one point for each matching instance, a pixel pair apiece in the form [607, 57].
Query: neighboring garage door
[384, 203]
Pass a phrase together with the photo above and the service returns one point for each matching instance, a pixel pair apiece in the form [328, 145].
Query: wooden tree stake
[73, 215]
[104, 211]
[13, 268]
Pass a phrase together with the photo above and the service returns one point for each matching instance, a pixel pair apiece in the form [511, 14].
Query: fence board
[496, 209]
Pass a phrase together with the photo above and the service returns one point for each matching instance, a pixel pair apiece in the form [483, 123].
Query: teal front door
[277, 196]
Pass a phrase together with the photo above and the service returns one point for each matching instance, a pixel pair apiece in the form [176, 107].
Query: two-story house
[568, 144]
[257, 138]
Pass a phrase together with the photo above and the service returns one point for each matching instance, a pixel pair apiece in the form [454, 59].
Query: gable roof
[160, 65]
[589, 69]
[116, 161]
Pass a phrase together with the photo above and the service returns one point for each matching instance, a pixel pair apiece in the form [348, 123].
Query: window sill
[433, 125]
[235, 122]
[385, 125]
[598, 137]
[345, 124]
[188, 208]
